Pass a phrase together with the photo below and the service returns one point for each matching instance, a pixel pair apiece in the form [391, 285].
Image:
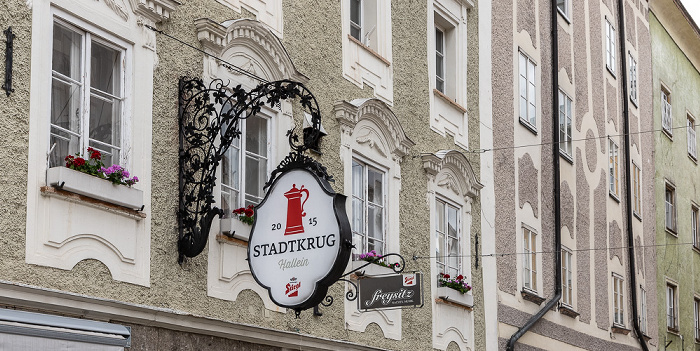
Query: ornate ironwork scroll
[209, 117]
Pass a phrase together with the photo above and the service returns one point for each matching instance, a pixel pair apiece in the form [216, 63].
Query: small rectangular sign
[392, 291]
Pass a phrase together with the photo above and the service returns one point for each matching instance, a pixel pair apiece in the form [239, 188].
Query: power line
[225, 63]
[554, 251]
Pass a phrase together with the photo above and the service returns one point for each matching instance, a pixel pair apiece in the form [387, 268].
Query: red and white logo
[292, 288]
[409, 279]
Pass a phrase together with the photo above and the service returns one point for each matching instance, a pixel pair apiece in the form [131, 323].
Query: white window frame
[610, 47]
[529, 259]
[89, 34]
[670, 208]
[637, 190]
[618, 300]
[633, 79]
[666, 112]
[692, 139]
[565, 121]
[364, 233]
[440, 83]
[442, 254]
[529, 79]
[695, 225]
[567, 278]
[614, 169]
[672, 307]
[642, 310]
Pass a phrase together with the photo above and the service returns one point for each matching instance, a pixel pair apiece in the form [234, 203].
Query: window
[696, 309]
[529, 260]
[563, 6]
[670, 207]
[565, 145]
[528, 97]
[609, 46]
[448, 238]
[363, 22]
[694, 218]
[367, 208]
[637, 189]
[613, 169]
[618, 303]
[692, 143]
[643, 310]
[633, 79]
[244, 165]
[567, 278]
[671, 307]
[440, 60]
[87, 94]
[666, 118]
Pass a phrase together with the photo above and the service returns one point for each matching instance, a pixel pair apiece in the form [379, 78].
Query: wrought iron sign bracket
[209, 120]
[9, 48]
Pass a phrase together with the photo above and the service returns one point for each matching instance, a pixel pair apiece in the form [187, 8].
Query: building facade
[572, 192]
[676, 81]
[400, 106]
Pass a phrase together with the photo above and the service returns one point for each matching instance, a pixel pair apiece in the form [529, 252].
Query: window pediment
[451, 169]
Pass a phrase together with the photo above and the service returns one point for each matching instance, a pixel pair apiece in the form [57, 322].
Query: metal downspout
[556, 178]
[628, 175]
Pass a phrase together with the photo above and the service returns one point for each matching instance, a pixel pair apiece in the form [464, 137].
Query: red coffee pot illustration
[295, 210]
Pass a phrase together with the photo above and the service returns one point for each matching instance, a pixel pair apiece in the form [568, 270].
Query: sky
[693, 7]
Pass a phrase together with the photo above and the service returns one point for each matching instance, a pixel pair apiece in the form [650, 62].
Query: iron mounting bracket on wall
[9, 48]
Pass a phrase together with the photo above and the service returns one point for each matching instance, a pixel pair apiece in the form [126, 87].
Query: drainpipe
[556, 178]
[628, 175]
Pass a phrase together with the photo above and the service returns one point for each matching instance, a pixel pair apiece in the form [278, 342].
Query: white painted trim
[454, 296]
[101, 189]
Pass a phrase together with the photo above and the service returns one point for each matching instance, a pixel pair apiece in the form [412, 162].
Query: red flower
[460, 277]
[249, 212]
[94, 154]
[446, 276]
[79, 162]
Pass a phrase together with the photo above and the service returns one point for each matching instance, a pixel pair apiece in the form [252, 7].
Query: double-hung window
[609, 46]
[633, 79]
[618, 302]
[440, 59]
[613, 168]
[692, 142]
[565, 144]
[567, 278]
[563, 7]
[695, 225]
[87, 94]
[671, 307]
[527, 85]
[447, 238]
[244, 166]
[368, 207]
[363, 22]
[666, 116]
[637, 190]
[529, 260]
[642, 309]
[670, 208]
[696, 309]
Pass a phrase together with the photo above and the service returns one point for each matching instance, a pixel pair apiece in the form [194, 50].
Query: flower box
[454, 296]
[234, 228]
[94, 187]
[371, 269]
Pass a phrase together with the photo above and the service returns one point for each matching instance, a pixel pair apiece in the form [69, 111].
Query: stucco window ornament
[90, 177]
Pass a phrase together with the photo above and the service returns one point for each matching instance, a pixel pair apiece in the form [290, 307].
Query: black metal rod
[9, 49]
[556, 179]
[628, 174]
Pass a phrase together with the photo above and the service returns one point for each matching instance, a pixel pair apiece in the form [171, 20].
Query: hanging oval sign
[300, 241]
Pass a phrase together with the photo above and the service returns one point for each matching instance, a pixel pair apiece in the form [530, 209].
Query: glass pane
[256, 135]
[375, 186]
[439, 41]
[531, 72]
[110, 155]
[105, 121]
[359, 242]
[440, 216]
[439, 66]
[67, 47]
[561, 4]
[452, 221]
[105, 73]
[453, 251]
[374, 245]
[523, 108]
[375, 222]
[357, 217]
[255, 175]
[230, 164]
[355, 12]
[357, 175]
[522, 66]
[523, 88]
[532, 114]
[355, 32]
[441, 249]
[65, 105]
[66, 144]
[531, 93]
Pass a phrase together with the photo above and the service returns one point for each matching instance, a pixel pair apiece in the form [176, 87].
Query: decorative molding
[155, 11]
[229, 38]
[374, 141]
[455, 172]
[118, 7]
[350, 113]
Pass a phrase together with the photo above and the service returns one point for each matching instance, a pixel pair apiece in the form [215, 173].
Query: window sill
[454, 297]
[568, 311]
[66, 179]
[619, 329]
[611, 71]
[634, 102]
[696, 249]
[693, 158]
[368, 49]
[638, 215]
[614, 196]
[566, 156]
[528, 125]
[564, 16]
[452, 103]
[225, 239]
[234, 228]
[671, 232]
[532, 296]
[674, 331]
[50, 191]
[668, 133]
